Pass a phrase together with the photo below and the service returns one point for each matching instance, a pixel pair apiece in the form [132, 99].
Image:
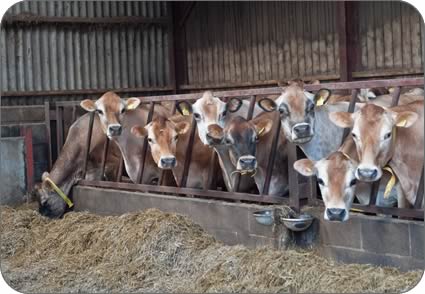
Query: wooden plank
[415, 28]
[342, 36]
[396, 34]
[388, 36]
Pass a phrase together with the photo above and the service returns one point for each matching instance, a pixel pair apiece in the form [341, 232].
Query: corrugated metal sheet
[48, 57]
[241, 42]
[390, 34]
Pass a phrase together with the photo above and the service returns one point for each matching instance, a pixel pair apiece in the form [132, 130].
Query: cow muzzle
[247, 163]
[167, 162]
[302, 133]
[367, 174]
[114, 130]
[336, 214]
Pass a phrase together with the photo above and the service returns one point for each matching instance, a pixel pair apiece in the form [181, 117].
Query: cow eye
[175, 137]
[387, 136]
[197, 116]
[320, 182]
[122, 110]
[99, 111]
[310, 107]
[228, 141]
[150, 140]
[354, 135]
[223, 114]
[353, 182]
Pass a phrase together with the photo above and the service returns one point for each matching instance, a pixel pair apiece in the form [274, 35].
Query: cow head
[162, 136]
[209, 110]
[373, 131]
[241, 137]
[110, 108]
[335, 176]
[296, 108]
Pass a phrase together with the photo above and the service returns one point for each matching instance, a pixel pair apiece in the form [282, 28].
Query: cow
[168, 140]
[209, 111]
[388, 136]
[113, 119]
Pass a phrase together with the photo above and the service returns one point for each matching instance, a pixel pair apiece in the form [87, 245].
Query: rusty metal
[48, 133]
[351, 107]
[88, 143]
[270, 164]
[145, 143]
[396, 96]
[188, 155]
[104, 158]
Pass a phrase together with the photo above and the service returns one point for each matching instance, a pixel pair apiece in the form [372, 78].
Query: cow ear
[184, 108]
[322, 97]
[342, 119]
[405, 119]
[262, 126]
[234, 104]
[132, 103]
[315, 82]
[139, 131]
[182, 127]
[88, 105]
[305, 167]
[296, 82]
[267, 104]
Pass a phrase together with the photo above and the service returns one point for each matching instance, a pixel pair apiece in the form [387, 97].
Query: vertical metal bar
[88, 142]
[59, 128]
[48, 134]
[396, 96]
[120, 170]
[74, 114]
[188, 155]
[211, 180]
[104, 158]
[374, 192]
[351, 110]
[270, 164]
[420, 193]
[26, 132]
[294, 193]
[145, 144]
[313, 191]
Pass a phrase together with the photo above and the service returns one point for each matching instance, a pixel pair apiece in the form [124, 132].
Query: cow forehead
[371, 120]
[110, 102]
[210, 106]
[161, 127]
[295, 98]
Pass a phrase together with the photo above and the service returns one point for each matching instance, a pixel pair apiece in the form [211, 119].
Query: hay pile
[153, 251]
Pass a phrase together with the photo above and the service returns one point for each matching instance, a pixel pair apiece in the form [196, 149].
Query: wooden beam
[342, 37]
[186, 13]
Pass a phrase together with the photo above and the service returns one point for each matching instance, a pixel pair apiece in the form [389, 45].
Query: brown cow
[114, 118]
[388, 137]
[168, 140]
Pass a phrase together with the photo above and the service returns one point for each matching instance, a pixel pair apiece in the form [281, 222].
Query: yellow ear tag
[131, 106]
[185, 111]
[261, 131]
[320, 101]
[402, 123]
[390, 183]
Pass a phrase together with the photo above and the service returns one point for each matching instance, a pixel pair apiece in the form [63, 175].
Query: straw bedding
[152, 251]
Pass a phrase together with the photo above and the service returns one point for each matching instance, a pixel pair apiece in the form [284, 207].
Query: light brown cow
[391, 137]
[115, 117]
[168, 140]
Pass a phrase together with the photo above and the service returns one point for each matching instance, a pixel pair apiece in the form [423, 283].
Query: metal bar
[395, 211]
[374, 193]
[188, 155]
[396, 96]
[313, 191]
[293, 178]
[59, 128]
[145, 144]
[270, 164]
[88, 142]
[104, 158]
[211, 172]
[120, 170]
[48, 134]
[351, 110]
[74, 114]
[186, 191]
[420, 193]
[129, 20]
[26, 132]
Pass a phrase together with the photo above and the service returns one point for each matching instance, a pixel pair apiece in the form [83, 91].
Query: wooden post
[48, 132]
[347, 34]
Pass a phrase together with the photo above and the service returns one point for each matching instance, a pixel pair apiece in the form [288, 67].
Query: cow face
[209, 110]
[110, 108]
[373, 131]
[51, 205]
[241, 137]
[162, 136]
[296, 108]
[335, 176]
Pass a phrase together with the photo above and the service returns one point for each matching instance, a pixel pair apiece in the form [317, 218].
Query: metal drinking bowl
[264, 217]
[300, 223]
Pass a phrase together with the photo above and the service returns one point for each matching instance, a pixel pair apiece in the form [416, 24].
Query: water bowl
[298, 223]
[264, 217]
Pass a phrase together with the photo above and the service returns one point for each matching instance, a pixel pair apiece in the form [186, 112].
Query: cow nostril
[302, 128]
[368, 172]
[168, 161]
[337, 214]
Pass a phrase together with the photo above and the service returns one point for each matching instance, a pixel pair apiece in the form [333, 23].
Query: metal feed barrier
[300, 193]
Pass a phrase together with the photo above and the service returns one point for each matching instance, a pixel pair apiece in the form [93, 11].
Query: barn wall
[390, 39]
[242, 42]
[62, 57]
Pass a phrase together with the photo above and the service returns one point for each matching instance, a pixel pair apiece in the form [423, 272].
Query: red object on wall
[26, 132]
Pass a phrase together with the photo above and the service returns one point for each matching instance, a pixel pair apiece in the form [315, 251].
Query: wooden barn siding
[254, 42]
[390, 37]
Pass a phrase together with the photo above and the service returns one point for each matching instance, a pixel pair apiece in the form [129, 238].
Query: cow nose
[336, 214]
[212, 140]
[302, 130]
[247, 162]
[115, 130]
[367, 173]
[168, 162]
